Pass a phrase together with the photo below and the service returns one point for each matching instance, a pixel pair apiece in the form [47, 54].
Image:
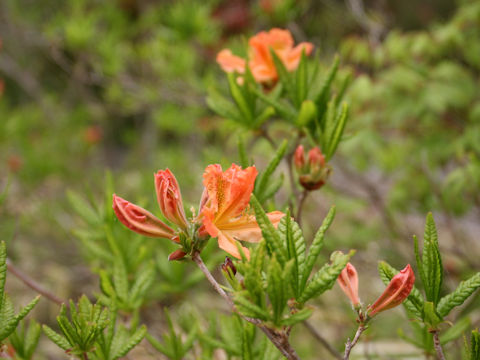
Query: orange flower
[140, 220]
[224, 210]
[260, 60]
[348, 281]
[169, 198]
[396, 292]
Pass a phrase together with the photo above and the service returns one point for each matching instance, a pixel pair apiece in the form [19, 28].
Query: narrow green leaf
[455, 331]
[431, 317]
[270, 234]
[132, 341]
[221, 106]
[284, 76]
[432, 262]
[458, 297]
[316, 246]
[272, 188]
[475, 345]
[272, 166]
[120, 279]
[242, 153]
[324, 279]
[299, 316]
[142, 283]
[56, 338]
[240, 99]
[336, 135]
[301, 80]
[247, 308]
[325, 89]
[283, 109]
[159, 346]
[275, 289]
[83, 208]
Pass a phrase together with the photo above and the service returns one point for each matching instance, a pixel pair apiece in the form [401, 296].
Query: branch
[322, 340]
[350, 344]
[279, 339]
[33, 284]
[437, 345]
[301, 202]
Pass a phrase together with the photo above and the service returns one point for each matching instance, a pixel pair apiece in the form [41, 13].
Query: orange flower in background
[260, 60]
[396, 292]
[224, 210]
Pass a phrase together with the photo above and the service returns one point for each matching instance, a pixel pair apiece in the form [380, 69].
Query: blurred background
[96, 92]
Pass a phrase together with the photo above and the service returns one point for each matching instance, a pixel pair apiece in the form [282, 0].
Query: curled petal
[169, 197]
[229, 62]
[293, 57]
[348, 281]
[396, 292]
[140, 220]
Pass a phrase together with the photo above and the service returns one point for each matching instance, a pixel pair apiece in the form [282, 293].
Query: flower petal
[169, 198]
[140, 220]
[229, 62]
[227, 243]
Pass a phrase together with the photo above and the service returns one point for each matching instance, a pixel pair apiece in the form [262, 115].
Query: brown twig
[278, 338]
[33, 284]
[322, 340]
[300, 203]
[350, 344]
[437, 345]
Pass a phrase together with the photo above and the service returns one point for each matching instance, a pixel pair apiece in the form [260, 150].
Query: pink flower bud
[396, 292]
[177, 255]
[169, 198]
[316, 160]
[348, 281]
[299, 158]
[140, 220]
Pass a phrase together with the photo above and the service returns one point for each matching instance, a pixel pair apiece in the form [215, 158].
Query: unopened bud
[177, 255]
[228, 267]
[396, 292]
[348, 281]
[299, 158]
[312, 172]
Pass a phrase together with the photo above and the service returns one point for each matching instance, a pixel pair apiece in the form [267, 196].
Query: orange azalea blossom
[348, 281]
[396, 292]
[224, 207]
[260, 60]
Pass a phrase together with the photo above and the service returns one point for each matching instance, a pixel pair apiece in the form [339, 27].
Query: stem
[300, 202]
[33, 284]
[279, 339]
[350, 344]
[322, 340]
[437, 345]
[85, 356]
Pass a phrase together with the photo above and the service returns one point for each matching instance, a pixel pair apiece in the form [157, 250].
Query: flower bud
[396, 292]
[169, 198]
[348, 281]
[177, 255]
[299, 158]
[140, 220]
[228, 267]
[314, 171]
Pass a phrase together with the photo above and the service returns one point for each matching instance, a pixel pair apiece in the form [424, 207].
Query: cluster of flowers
[224, 209]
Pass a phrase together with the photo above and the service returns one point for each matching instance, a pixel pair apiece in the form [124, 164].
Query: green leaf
[301, 82]
[296, 247]
[431, 317]
[457, 297]
[475, 345]
[324, 279]
[240, 99]
[264, 179]
[316, 246]
[120, 279]
[132, 341]
[432, 261]
[12, 323]
[335, 135]
[275, 289]
[247, 308]
[242, 153]
[455, 331]
[308, 112]
[299, 316]
[284, 75]
[222, 106]
[59, 340]
[83, 208]
[270, 234]
[142, 283]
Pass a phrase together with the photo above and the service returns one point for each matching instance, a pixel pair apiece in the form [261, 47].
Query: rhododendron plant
[260, 60]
